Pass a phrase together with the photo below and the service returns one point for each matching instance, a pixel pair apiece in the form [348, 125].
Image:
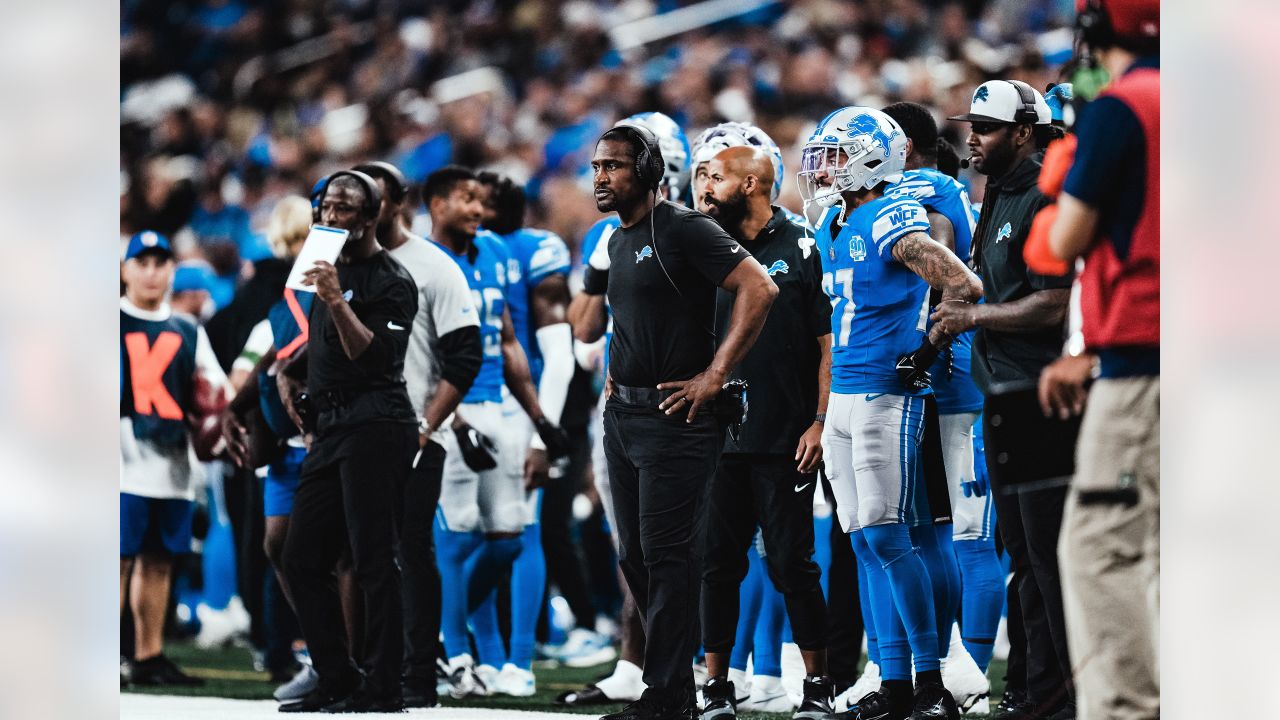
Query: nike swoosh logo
[391, 325]
[873, 396]
[798, 488]
[736, 248]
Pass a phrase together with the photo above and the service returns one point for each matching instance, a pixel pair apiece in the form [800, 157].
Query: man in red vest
[1109, 214]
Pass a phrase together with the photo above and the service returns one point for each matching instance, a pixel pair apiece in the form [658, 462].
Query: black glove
[477, 449]
[913, 369]
[553, 437]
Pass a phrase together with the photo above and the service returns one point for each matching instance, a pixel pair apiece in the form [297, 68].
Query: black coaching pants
[1028, 485]
[417, 554]
[763, 490]
[347, 496]
[659, 471]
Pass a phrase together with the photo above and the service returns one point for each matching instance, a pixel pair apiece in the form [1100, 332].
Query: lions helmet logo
[865, 124]
[643, 253]
[981, 95]
[779, 266]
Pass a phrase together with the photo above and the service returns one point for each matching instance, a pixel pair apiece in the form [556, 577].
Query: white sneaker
[217, 627]
[768, 695]
[586, 648]
[486, 679]
[867, 682]
[793, 672]
[306, 680]
[982, 707]
[741, 685]
[514, 682]
[1001, 650]
[961, 675]
[460, 678]
[626, 684]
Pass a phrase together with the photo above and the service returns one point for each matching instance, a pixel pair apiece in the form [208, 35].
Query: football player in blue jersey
[481, 512]
[169, 377]
[959, 401]
[589, 316]
[537, 297]
[879, 263]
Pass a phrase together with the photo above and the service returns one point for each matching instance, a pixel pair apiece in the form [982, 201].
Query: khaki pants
[1110, 553]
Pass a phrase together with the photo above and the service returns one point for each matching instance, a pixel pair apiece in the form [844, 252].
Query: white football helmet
[735, 134]
[853, 148]
[674, 146]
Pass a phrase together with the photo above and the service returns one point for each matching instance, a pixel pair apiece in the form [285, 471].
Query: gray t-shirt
[444, 305]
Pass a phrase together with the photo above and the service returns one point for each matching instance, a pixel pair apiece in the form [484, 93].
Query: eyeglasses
[986, 128]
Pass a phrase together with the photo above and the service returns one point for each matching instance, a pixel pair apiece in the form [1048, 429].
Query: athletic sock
[911, 590]
[893, 653]
[934, 543]
[528, 585]
[864, 600]
[983, 597]
[452, 551]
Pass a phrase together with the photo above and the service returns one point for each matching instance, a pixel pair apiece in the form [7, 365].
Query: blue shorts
[154, 525]
[282, 482]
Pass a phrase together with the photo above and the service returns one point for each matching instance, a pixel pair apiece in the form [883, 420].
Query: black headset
[1027, 113]
[397, 185]
[373, 196]
[1094, 24]
[650, 166]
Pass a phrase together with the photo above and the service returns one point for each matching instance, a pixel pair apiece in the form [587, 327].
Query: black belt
[643, 396]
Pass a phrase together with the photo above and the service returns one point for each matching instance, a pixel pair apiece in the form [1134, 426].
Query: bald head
[738, 184]
[741, 162]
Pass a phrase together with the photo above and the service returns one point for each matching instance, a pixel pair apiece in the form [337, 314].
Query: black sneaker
[419, 692]
[819, 694]
[934, 702]
[160, 670]
[1013, 706]
[718, 699]
[875, 705]
[1066, 712]
[362, 702]
[322, 697]
[642, 709]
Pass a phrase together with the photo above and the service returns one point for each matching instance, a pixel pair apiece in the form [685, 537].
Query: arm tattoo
[938, 266]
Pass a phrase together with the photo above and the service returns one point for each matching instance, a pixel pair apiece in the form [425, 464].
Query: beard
[730, 211]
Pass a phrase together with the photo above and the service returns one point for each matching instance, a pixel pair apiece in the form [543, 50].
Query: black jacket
[1008, 361]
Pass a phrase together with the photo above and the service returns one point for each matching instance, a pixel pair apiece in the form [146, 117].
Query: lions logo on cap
[981, 94]
[149, 239]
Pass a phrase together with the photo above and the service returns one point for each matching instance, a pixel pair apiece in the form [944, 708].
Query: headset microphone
[964, 163]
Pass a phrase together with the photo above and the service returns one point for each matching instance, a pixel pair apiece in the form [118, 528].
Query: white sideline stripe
[136, 706]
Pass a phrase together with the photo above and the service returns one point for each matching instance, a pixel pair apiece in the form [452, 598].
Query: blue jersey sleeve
[896, 220]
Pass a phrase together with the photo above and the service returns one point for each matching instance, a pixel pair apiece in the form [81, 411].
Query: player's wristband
[820, 418]
[595, 281]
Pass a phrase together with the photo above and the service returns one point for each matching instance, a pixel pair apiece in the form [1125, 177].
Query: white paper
[323, 243]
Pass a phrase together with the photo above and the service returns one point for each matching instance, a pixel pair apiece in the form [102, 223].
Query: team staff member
[440, 364]
[363, 440]
[665, 264]
[767, 475]
[1109, 213]
[167, 368]
[1019, 331]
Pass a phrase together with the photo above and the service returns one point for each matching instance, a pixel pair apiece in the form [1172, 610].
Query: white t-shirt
[151, 471]
[444, 305]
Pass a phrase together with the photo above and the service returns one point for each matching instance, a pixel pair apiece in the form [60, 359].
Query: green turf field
[229, 673]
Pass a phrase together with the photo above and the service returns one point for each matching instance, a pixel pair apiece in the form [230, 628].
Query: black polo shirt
[781, 369]
[1008, 207]
[663, 274]
[345, 392]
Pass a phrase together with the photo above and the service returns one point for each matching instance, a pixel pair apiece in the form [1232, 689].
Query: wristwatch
[820, 417]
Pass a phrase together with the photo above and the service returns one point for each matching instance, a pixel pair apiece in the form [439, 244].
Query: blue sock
[487, 632]
[528, 585]
[822, 550]
[893, 653]
[452, 550]
[864, 599]
[934, 543]
[983, 597]
[750, 598]
[912, 593]
[769, 634]
[219, 559]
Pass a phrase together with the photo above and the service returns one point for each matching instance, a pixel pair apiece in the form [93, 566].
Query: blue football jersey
[537, 255]
[489, 276]
[879, 307]
[938, 192]
[607, 225]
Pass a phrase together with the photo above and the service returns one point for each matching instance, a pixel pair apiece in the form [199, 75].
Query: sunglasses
[986, 128]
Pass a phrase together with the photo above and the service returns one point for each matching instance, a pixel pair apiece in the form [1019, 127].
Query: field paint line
[135, 706]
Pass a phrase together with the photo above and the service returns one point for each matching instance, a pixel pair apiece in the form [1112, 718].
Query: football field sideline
[134, 706]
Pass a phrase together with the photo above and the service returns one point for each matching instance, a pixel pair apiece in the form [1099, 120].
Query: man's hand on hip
[694, 392]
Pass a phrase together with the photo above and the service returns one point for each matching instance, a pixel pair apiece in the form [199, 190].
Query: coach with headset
[362, 432]
[662, 434]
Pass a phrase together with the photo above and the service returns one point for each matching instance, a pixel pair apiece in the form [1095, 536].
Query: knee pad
[889, 543]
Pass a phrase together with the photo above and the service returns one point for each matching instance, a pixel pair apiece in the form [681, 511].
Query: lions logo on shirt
[779, 266]
[1006, 232]
[643, 253]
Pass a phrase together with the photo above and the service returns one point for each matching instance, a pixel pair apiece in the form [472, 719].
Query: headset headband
[373, 196]
[1027, 113]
